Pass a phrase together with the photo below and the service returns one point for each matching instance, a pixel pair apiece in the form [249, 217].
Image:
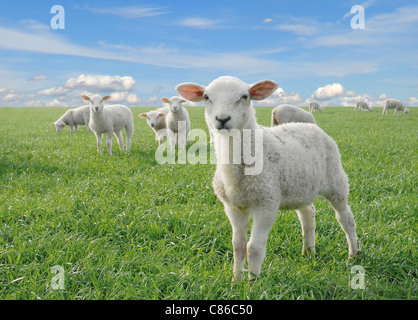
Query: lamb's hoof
[307, 251]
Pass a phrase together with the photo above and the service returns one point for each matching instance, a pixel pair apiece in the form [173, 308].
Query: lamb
[156, 120]
[394, 104]
[178, 122]
[362, 105]
[110, 119]
[73, 118]
[299, 162]
[314, 106]
[285, 113]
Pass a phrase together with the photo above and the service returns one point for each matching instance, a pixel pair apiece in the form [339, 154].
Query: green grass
[125, 227]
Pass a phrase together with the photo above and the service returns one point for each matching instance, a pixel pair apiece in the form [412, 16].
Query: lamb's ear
[262, 89]
[142, 115]
[53, 124]
[191, 91]
[162, 115]
[106, 97]
[165, 100]
[86, 98]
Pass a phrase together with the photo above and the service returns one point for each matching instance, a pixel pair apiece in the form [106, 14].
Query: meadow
[126, 227]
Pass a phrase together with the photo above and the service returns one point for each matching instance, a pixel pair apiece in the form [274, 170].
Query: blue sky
[138, 51]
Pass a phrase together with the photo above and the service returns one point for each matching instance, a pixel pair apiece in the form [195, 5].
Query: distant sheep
[110, 119]
[394, 104]
[178, 122]
[299, 162]
[156, 120]
[362, 105]
[73, 118]
[314, 107]
[285, 113]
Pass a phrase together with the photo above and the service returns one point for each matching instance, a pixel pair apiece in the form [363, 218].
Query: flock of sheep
[300, 161]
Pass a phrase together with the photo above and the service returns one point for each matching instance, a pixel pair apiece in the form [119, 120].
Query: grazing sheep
[73, 118]
[178, 121]
[314, 106]
[362, 105]
[285, 113]
[110, 119]
[394, 104]
[299, 162]
[156, 120]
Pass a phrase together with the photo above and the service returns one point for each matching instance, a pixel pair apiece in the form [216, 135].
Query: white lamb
[73, 118]
[178, 122]
[314, 107]
[285, 113]
[362, 105]
[110, 119]
[394, 104]
[300, 162]
[156, 120]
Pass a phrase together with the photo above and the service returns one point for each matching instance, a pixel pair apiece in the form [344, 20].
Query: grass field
[125, 227]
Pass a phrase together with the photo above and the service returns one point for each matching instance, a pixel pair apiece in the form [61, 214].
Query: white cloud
[267, 20]
[201, 23]
[56, 103]
[329, 91]
[38, 78]
[101, 82]
[54, 91]
[280, 97]
[128, 12]
[125, 97]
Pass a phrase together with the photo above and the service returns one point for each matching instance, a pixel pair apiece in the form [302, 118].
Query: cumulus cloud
[54, 91]
[328, 92]
[279, 97]
[101, 82]
[125, 97]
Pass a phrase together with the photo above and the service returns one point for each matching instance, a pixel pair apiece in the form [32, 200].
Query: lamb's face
[406, 111]
[96, 102]
[59, 125]
[152, 117]
[227, 102]
[175, 103]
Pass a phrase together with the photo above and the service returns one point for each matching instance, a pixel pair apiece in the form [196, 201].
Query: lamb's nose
[223, 121]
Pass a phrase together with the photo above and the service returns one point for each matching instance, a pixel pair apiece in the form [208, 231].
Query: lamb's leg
[99, 142]
[172, 138]
[263, 220]
[239, 221]
[76, 127]
[109, 136]
[307, 220]
[346, 219]
[119, 137]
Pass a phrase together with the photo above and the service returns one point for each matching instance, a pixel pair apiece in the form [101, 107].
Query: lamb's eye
[244, 97]
[206, 97]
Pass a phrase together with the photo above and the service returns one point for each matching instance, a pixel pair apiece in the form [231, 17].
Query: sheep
[394, 104]
[110, 119]
[299, 162]
[362, 105]
[314, 106]
[178, 122]
[73, 118]
[285, 113]
[156, 120]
